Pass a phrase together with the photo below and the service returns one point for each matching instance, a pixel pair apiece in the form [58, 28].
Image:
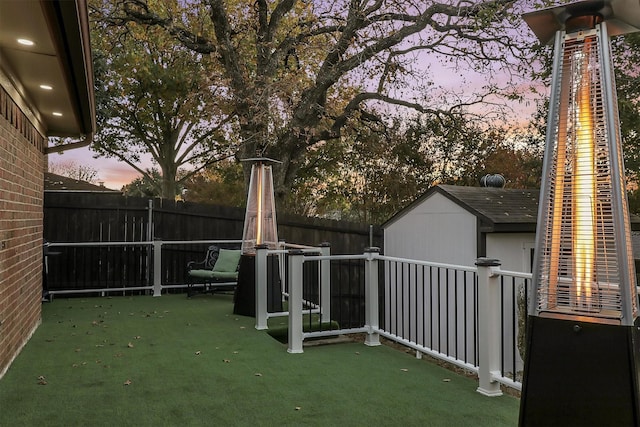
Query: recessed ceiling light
[46, 87]
[26, 42]
[57, 114]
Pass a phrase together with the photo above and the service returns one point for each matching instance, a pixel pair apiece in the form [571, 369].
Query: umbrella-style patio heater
[260, 228]
[581, 364]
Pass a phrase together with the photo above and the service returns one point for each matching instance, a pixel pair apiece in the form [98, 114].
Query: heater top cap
[261, 160]
[622, 17]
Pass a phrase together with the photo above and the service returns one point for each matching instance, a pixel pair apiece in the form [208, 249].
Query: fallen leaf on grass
[127, 382]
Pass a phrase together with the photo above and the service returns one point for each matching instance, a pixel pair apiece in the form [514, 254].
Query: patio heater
[260, 225]
[583, 336]
[260, 228]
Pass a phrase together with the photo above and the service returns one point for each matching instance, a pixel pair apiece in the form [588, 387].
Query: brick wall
[21, 199]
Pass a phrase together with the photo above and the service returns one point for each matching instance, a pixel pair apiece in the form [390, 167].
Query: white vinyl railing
[470, 316]
[104, 267]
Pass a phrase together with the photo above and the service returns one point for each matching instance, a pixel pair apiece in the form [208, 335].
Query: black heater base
[580, 374]
[245, 295]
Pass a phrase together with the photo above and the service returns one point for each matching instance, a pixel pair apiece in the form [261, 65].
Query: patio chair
[218, 271]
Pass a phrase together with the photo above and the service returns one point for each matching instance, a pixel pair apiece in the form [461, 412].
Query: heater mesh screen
[578, 264]
[260, 226]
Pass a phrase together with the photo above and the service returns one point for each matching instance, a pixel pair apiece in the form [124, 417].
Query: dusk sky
[115, 174]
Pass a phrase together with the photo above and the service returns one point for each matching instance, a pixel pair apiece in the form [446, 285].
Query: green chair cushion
[230, 275]
[203, 274]
[228, 261]
[208, 274]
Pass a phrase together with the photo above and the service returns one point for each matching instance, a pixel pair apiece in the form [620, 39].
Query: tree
[384, 168]
[220, 184]
[156, 98]
[299, 73]
[71, 169]
[147, 185]
[626, 54]
[366, 176]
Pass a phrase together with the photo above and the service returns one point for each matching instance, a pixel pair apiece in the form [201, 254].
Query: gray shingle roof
[53, 182]
[498, 209]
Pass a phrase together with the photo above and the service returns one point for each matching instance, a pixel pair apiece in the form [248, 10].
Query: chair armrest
[196, 265]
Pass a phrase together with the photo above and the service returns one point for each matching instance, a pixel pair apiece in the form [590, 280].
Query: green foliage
[220, 184]
[377, 171]
[626, 54]
[295, 76]
[148, 185]
[155, 98]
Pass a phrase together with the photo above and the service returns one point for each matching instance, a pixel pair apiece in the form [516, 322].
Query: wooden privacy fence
[88, 218]
[111, 217]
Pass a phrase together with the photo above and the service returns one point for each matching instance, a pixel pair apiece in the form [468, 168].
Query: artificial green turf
[193, 362]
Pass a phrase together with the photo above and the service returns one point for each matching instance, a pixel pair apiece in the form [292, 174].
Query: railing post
[371, 296]
[488, 327]
[261, 286]
[325, 283]
[157, 267]
[296, 259]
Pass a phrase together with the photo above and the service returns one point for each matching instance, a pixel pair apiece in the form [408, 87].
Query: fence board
[71, 217]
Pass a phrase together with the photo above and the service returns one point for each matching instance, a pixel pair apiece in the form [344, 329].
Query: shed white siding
[514, 250]
[436, 230]
[440, 230]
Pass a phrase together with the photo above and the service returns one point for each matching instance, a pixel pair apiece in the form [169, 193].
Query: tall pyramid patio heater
[583, 339]
[260, 228]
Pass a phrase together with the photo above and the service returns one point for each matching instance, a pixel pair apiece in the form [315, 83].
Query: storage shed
[456, 225]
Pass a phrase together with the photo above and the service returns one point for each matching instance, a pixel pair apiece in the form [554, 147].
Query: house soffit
[59, 59]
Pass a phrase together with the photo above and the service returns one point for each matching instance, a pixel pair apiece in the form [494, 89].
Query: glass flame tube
[260, 226]
[260, 217]
[584, 181]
